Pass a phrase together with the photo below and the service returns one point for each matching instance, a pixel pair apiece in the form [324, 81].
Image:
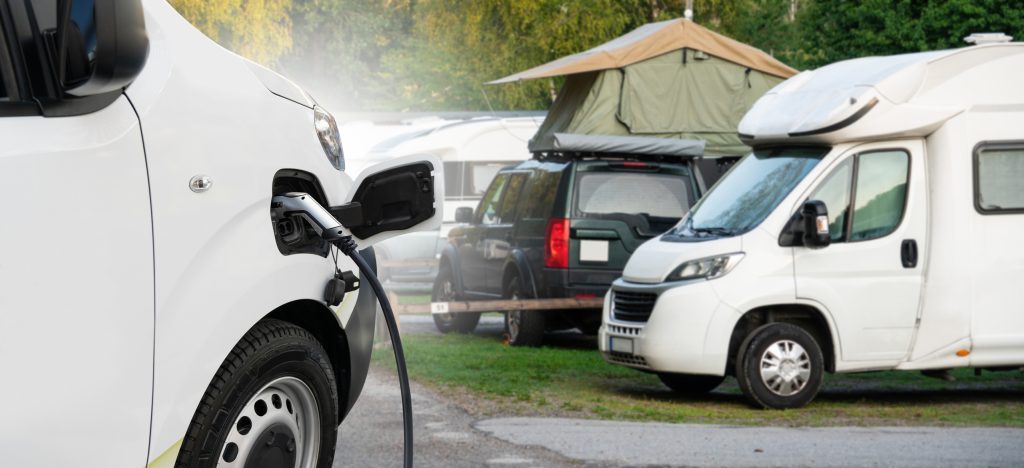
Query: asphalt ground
[447, 436]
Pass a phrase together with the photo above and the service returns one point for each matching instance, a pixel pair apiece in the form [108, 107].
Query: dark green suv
[559, 227]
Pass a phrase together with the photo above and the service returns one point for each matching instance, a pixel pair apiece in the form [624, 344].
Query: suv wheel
[444, 291]
[690, 384]
[524, 327]
[780, 366]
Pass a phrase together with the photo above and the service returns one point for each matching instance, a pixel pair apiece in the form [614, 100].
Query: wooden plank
[501, 305]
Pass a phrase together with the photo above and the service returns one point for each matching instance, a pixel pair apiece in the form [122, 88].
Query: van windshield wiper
[714, 231]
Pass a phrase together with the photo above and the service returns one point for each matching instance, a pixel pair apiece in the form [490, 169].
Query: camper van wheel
[780, 366]
[273, 402]
[690, 384]
[523, 327]
[444, 291]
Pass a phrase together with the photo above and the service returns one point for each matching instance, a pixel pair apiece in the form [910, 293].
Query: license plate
[620, 345]
[594, 251]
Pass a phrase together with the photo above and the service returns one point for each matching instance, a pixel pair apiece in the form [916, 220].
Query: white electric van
[875, 225]
[153, 308]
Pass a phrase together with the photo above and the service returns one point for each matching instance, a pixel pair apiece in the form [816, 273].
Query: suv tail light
[556, 250]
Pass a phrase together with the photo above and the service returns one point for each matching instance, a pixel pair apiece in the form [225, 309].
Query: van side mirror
[464, 214]
[814, 214]
[100, 46]
[394, 199]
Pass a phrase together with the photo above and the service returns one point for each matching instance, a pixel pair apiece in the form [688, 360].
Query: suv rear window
[657, 195]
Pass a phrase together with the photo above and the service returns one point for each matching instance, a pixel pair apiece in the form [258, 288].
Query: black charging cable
[348, 247]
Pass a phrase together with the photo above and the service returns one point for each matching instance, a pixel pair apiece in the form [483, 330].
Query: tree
[256, 29]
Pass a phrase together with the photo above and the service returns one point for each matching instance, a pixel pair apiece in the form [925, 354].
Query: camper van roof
[483, 138]
[908, 95]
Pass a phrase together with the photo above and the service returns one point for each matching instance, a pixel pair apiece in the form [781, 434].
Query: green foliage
[421, 55]
[841, 29]
[257, 29]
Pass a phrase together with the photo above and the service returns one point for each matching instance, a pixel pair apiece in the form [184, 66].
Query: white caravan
[876, 225]
[153, 309]
[472, 151]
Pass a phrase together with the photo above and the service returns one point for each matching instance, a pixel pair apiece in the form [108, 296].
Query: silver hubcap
[514, 319]
[446, 293]
[785, 368]
[282, 421]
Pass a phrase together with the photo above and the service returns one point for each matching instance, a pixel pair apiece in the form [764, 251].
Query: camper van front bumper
[673, 337]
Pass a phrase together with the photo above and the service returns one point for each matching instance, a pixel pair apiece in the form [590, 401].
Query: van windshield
[745, 196]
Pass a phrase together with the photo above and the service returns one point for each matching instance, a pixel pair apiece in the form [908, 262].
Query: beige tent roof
[652, 40]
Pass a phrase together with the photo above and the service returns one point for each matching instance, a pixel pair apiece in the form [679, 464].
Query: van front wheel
[273, 402]
[780, 366]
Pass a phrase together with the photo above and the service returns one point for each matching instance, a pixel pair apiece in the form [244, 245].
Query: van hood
[281, 86]
[655, 259]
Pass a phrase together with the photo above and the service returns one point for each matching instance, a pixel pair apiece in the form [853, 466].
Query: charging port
[292, 234]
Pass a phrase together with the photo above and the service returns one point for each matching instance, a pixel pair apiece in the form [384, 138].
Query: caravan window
[998, 176]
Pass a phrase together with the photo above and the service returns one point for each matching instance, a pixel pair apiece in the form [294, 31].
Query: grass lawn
[489, 378]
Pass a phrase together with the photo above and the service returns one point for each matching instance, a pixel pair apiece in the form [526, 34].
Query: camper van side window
[880, 194]
[835, 192]
[998, 177]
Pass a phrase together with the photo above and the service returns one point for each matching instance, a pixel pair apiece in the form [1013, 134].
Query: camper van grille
[633, 306]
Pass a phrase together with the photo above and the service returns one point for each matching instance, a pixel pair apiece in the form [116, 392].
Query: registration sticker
[620, 345]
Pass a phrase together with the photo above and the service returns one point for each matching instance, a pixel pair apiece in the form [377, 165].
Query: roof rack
[576, 146]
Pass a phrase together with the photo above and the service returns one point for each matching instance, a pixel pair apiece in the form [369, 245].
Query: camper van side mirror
[393, 200]
[815, 224]
[464, 214]
[99, 46]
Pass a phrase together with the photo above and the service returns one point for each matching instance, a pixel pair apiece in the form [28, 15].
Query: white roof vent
[987, 38]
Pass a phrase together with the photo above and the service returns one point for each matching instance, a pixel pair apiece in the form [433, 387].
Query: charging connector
[330, 229]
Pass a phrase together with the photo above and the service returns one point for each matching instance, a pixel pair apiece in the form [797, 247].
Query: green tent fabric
[673, 79]
[665, 96]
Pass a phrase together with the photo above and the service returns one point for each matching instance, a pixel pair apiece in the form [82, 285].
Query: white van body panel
[76, 332]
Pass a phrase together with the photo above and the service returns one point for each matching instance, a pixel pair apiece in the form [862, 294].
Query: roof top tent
[671, 80]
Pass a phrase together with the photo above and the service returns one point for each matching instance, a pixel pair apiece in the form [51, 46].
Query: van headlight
[706, 268]
[330, 138]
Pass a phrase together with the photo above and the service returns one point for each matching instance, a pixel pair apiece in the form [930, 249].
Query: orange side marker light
[963, 352]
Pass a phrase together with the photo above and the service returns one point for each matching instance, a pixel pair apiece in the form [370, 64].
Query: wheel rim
[445, 294]
[278, 426]
[785, 368]
[514, 318]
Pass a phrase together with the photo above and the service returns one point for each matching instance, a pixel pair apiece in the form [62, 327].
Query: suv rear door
[617, 205]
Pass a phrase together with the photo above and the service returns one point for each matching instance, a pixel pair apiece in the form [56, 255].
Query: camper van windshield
[747, 194]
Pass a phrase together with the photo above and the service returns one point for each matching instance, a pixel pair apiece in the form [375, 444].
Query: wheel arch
[518, 264]
[450, 258]
[810, 318]
[323, 324]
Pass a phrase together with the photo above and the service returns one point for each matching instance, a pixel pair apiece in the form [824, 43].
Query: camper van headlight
[330, 139]
[706, 268]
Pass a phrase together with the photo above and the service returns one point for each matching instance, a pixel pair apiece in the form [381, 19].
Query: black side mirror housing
[464, 214]
[392, 200]
[814, 215]
[100, 46]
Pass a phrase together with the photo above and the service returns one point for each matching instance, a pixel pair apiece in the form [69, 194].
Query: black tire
[589, 329]
[272, 352]
[800, 372]
[444, 291]
[523, 327]
[690, 384]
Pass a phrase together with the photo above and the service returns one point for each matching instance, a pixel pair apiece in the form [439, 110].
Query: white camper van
[876, 225]
[154, 308]
[472, 151]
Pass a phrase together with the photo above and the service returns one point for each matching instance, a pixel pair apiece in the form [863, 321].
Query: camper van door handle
[908, 253]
